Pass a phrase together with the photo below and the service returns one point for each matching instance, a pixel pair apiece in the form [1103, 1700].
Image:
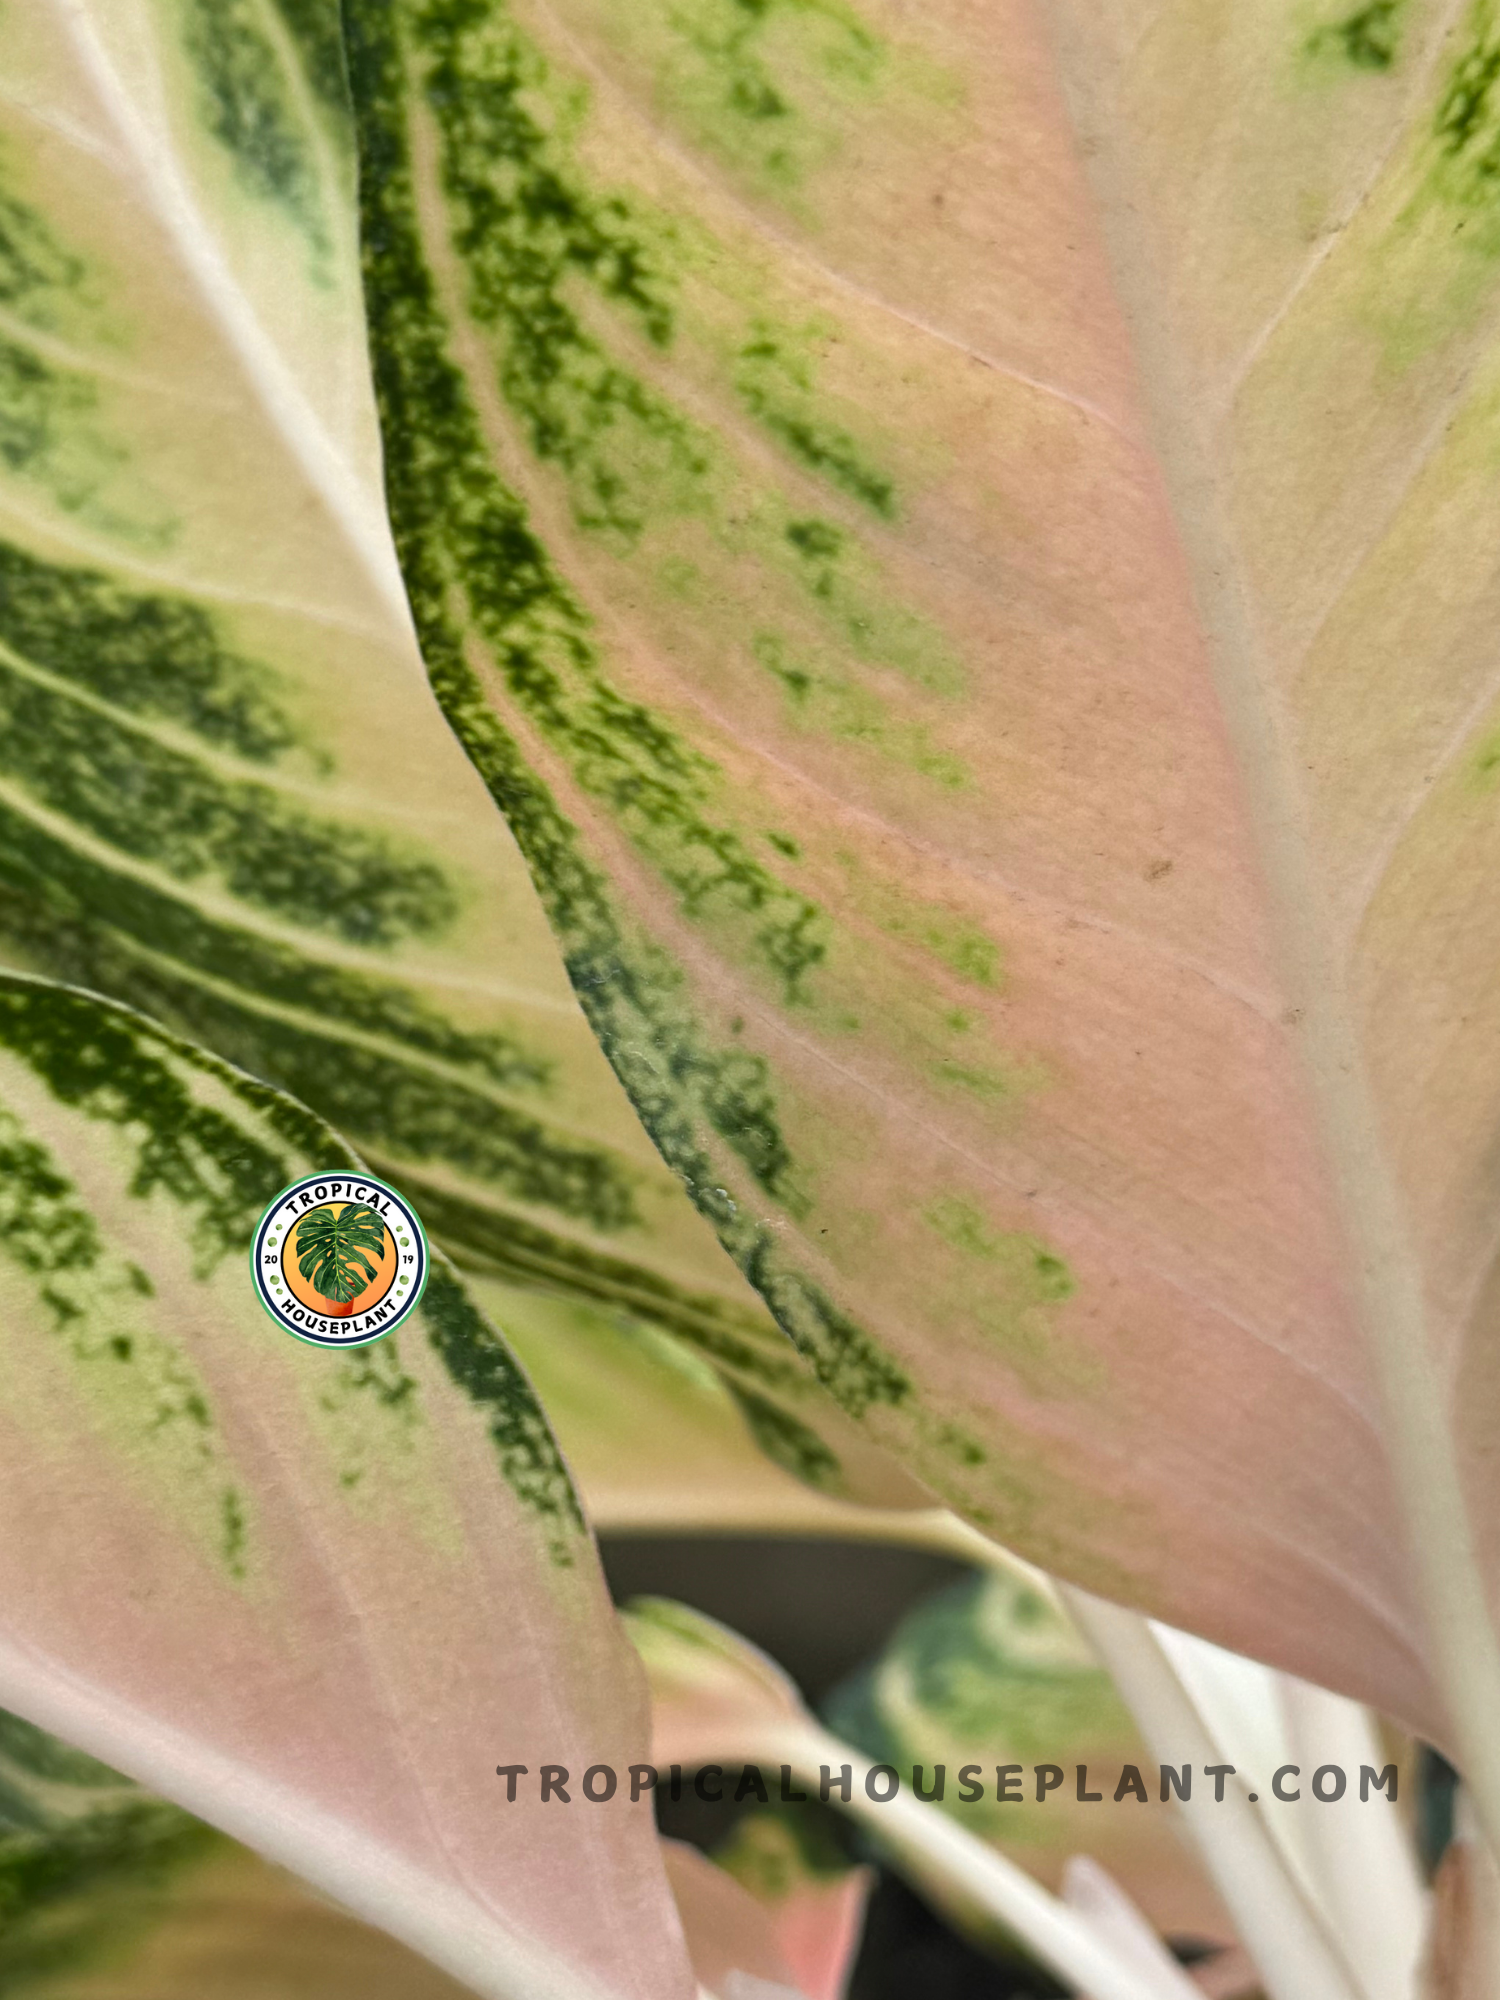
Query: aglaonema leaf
[732, 1941]
[314, 1598]
[658, 1442]
[219, 1921]
[77, 1841]
[990, 1670]
[226, 796]
[109, 1894]
[815, 1897]
[958, 538]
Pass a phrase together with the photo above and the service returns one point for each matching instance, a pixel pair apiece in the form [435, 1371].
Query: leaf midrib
[797, 251]
[356, 511]
[1386, 1278]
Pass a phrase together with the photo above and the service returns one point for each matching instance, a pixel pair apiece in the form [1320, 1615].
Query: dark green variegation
[225, 796]
[107, 1893]
[70, 1828]
[182, 1472]
[213, 1143]
[951, 536]
[564, 369]
[90, 1865]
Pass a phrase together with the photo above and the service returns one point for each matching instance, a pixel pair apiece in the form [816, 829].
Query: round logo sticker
[339, 1261]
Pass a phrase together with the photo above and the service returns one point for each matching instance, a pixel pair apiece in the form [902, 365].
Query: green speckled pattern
[200, 1504]
[204, 799]
[523, 218]
[909, 517]
[215, 1164]
[579, 397]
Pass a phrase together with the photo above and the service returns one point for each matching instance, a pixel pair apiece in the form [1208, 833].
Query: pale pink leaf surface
[315, 1597]
[814, 1899]
[1091, 1891]
[729, 1935]
[959, 539]
[818, 1927]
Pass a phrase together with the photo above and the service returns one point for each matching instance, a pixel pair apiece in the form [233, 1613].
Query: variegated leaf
[313, 1597]
[989, 1672]
[109, 1894]
[815, 1897]
[959, 539]
[226, 795]
[659, 1443]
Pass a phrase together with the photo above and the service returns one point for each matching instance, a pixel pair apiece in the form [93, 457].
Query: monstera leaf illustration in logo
[332, 1247]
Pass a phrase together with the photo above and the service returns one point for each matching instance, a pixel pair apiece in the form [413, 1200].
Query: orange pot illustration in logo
[339, 1259]
[342, 1259]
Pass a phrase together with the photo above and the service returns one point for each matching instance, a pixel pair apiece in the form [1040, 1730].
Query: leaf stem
[1364, 1861]
[1277, 1923]
[958, 1865]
